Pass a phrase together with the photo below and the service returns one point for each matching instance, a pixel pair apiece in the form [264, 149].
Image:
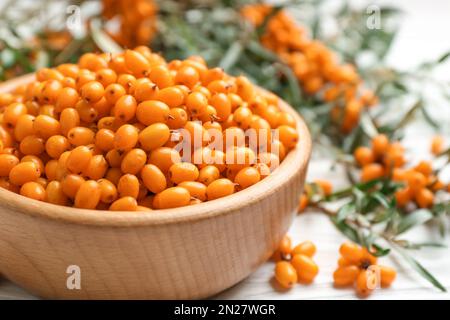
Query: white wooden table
[425, 41]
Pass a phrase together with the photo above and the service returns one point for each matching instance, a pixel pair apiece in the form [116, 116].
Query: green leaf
[413, 219]
[345, 211]
[421, 270]
[347, 230]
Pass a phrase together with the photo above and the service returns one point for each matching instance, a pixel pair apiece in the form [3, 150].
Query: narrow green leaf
[413, 219]
[421, 270]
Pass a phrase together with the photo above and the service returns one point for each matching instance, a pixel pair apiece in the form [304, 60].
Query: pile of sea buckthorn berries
[295, 264]
[315, 66]
[358, 267]
[386, 159]
[137, 20]
[102, 134]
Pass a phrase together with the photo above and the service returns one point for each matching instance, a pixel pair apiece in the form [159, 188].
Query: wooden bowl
[183, 253]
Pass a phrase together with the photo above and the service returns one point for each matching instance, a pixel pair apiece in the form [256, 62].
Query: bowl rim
[296, 160]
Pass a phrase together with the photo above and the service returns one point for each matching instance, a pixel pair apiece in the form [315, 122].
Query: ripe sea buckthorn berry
[208, 174]
[387, 275]
[325, 186]
[380, 144]
[424, 198]
[106, 76]
[55, 194]
[285, 274]
[270, 159]
[152, 111]
[115, 157]
[108, 191]
[238, 158]
[187, 76]
[104, 139]
[154, 136]
[84, 76]
[7, 162]
[69, 119]
[403, 196]
[92, 62]
[24, 127]
[161, 76]
[424, 167]
[364, 156]
[32, 145]
[196, 189]
[416, 180]
[247, 177]
[70, 184]
[177, 118]
[33, 190]
[50, 169]
[242, 117]
[345, 276]
[437, 145]
[172, 96]
[128, 186]
[145, 90]
[366, 282]
[24, 172]
[79, 158]
[197, 134]
[136, 63]
[126, 137]
[88, 195]
[51, 90]
[351, 252]
[306, 248]
[183, 171]
[173, 197]
[285, 246]
[219, 188]
[371, 172]
[36, 160]
[56, 145]
[114, 92]
[113, 174]
[92, 91]
[124, 204]
[46, 126]
[196, 103]
[287, 119]
[153, 178]
[133, 161]
[79, 136]
[125, 108]
[12, 113]
[288, 136]
[127, 81]
[306, 268]
[96, 168]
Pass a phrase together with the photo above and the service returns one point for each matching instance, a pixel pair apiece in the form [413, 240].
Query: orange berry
[364, 156]
[325, 186]
[424, 198]
[173, 197]
[33, 190]
[387, 275]
[88, 195]
[371, 172]
[153, 178]
[124, 204]
[380, 145]
[219, 188]
[306, 268]
[196, 189]
[345, 276]
[351, 252]
[306, 248]
[285, 274]
[437, 145]
[366, 282]
[24, 172]
[126, 137]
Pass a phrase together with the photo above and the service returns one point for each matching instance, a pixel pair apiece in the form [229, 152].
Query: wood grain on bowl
[183, 253]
